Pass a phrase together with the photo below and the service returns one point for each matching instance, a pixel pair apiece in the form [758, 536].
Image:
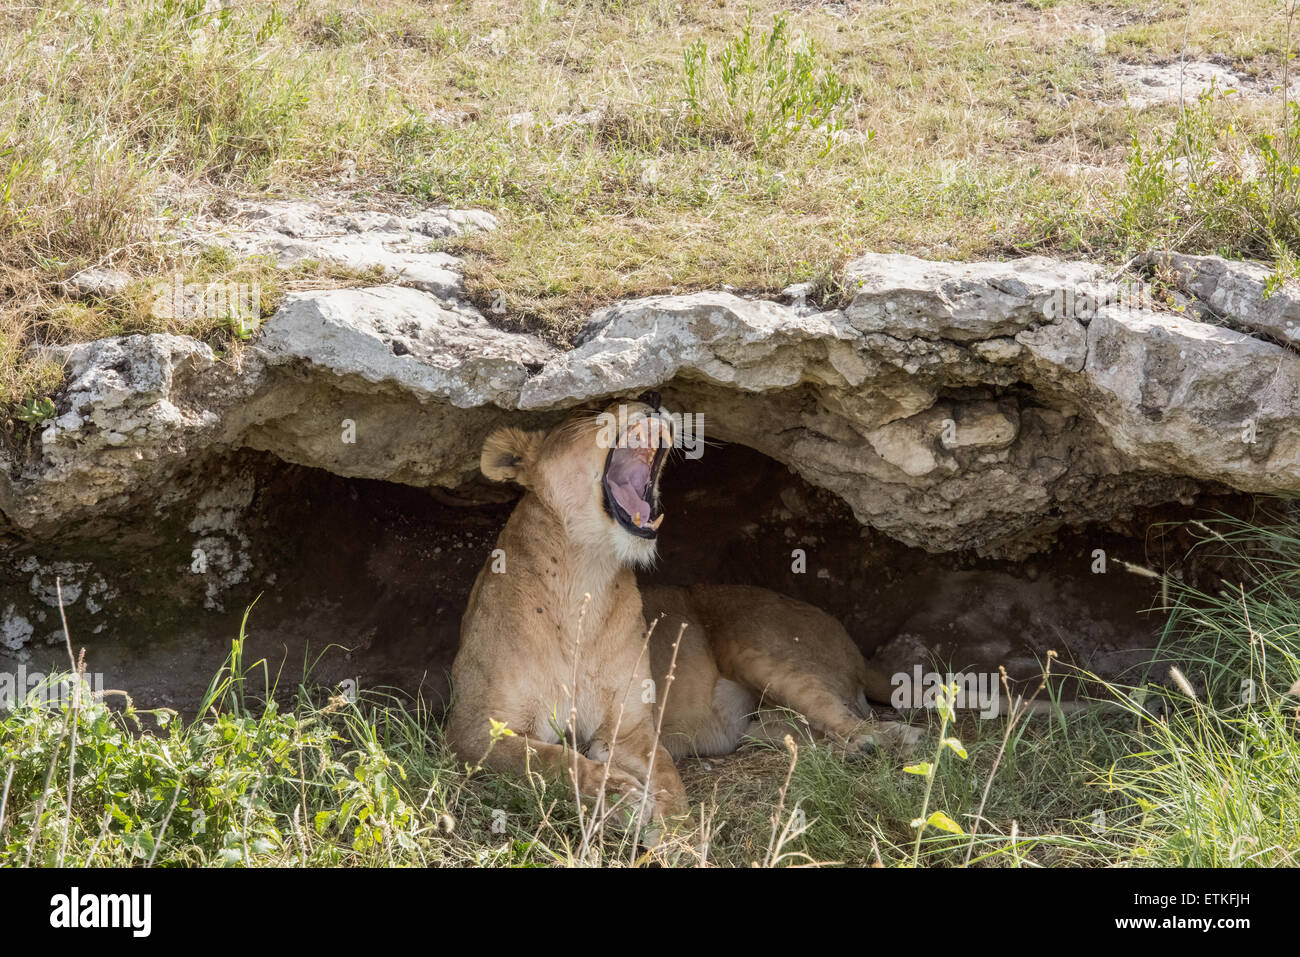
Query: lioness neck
[568, 563]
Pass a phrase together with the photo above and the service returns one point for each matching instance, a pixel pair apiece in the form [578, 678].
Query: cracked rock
[950, 405]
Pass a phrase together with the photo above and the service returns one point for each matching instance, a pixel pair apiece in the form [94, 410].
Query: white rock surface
[391, 247]
[1236, 293]
[1151, 84]
[977, 405]
[376, 334]
[750, 345]
[96, 284]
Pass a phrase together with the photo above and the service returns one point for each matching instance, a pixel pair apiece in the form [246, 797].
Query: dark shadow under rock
[366, 580]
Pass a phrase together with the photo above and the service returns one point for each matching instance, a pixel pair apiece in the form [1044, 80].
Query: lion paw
[883, 734]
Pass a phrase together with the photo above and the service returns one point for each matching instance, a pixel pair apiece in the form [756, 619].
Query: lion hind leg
[772, 725]
[720, 728]
[828, 710]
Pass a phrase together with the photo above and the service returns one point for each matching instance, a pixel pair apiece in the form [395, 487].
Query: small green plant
[946, 698]
[1206, 187]
[35, 411]
[767, 90]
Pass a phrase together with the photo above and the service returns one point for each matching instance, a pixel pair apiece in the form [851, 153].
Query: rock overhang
[951, 405]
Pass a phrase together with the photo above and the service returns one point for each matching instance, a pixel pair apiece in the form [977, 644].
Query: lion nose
[666, 435]
[650, 432]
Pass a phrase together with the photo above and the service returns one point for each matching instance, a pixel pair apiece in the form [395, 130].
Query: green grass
[1208, 778]
[1216, 779]
[725, 143]
[1208, 186]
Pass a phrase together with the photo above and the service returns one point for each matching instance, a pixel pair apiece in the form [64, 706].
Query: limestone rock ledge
[951, 405]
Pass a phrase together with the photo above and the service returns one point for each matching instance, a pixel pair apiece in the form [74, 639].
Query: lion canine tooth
[656, 523]
[636, 519]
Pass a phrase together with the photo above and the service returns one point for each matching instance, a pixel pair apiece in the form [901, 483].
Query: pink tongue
[627, 476]
[631, 502]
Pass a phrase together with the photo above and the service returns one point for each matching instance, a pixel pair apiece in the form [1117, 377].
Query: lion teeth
[656, 523]
[636, 519]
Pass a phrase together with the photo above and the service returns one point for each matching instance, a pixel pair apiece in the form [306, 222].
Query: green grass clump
[763, 91]
[1200, 771]
[1207, 186]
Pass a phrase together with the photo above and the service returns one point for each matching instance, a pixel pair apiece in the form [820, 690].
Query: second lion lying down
[744, 647]
[553, 642]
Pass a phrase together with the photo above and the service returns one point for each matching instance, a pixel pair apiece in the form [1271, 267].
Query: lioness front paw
[618, 783]
[671, 802]
[652, 807]
[882, 734]
[895, 736]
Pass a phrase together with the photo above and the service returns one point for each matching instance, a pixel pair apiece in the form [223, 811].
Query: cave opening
[367, 580]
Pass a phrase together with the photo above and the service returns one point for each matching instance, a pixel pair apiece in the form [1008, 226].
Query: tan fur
[524, 629]
[745, 648]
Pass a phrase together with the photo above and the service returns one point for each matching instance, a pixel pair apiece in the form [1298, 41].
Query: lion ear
[508, 455]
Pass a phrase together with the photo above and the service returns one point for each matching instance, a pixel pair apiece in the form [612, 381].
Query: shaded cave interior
[368, 580]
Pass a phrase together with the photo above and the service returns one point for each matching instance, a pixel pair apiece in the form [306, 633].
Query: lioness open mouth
[631, 473]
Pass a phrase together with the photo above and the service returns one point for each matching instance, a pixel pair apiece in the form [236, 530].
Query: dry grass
[971, 129]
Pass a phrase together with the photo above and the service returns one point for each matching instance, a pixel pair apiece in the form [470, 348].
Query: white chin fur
[633, 550]
[605, 537]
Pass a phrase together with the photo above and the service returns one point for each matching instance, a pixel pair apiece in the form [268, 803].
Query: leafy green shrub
[1204, 187]
[34, 411]
[84, 784]
[765, 91]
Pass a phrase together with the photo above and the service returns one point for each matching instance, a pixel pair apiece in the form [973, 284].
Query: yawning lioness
[553, 643]
[554, 636]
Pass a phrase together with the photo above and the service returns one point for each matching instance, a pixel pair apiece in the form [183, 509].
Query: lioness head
[598, 472]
